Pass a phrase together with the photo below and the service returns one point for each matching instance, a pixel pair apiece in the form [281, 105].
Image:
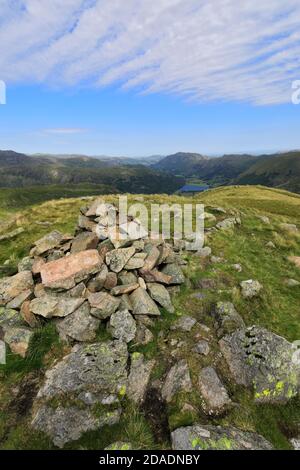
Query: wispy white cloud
[64, 130]
[206, 50]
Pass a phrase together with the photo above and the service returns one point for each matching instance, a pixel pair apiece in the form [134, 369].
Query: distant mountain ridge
[20, 170]
[280, 170]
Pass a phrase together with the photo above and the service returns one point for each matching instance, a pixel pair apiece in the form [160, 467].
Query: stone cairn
[78, 282]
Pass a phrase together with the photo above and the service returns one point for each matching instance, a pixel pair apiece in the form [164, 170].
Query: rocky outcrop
[264, 361]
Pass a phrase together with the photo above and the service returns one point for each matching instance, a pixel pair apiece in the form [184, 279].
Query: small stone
[13, 234]
[229, 223]
[46, 243]
[103, 304]
[206, 283]
[173, 270]
[227, 318]
[48, 306]
[237, 267]
[142, 283]
[264, 219]
[142, 303]
[292, 283]
[12, 287]
[178, 379]
[295, 442]
[160, 294]
[289, 228]
[80, 326]
[270, 244]
[184, 323]
[18, 339]
[17, 301]
[28, 316]
[139, 376]
[125, 277]
[124, 289]
[157, 276]
[111, 281]
[295, 260]
[202, 347]
[214, 393]
[122, 326]
[25, 264]
[87, 224]
[84, 241]
[250, 288]
[143, 335]
[116, 259]
[97, 283]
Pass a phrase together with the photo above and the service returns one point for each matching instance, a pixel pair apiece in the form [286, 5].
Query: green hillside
[276, 308]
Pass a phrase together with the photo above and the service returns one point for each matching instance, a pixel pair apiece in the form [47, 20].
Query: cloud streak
[208, 50]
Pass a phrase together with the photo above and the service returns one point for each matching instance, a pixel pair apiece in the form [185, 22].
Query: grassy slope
[277, 309]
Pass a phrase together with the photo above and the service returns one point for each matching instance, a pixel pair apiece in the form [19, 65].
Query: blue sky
[132, 78]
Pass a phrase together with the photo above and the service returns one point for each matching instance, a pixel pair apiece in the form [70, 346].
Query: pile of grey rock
[95, 276]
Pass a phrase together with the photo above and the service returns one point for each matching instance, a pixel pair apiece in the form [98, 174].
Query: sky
[141, 77]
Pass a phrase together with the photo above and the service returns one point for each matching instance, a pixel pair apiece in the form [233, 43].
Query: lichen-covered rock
[68, 271]
[250, 288]
[263, 360]
[122, 326]
[151, 259]
[173, 270]
[143, 334]
[119, 445]
[227, 318]
[178, 379]
[139, 376]
[80, 326]
[100, 367]
[208, 437]
[18, 339]
[103, 304]
[142, 303]
[68, 424]
[25, 264]
[48, 306]
[213, 392]
[160, 294]
[116, 259]
[12, 287]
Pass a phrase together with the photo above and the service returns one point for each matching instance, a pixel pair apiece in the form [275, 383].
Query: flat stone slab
[177, 379]
[213, 391]
[139, 376]
[46, 243]
[48, 306]
[12, 287]
[208, 437]
[66, 272]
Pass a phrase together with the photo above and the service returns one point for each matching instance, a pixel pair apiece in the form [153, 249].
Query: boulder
[263, 361]
[48, 306]
[66, 272]
[79, 326]
[139, 376]
[178, 379]
[208, 437]
[103, 305]
[160, 294]
[213, 392]
[122, 326]
[142, 303]
[250, 288]
[12, 287]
